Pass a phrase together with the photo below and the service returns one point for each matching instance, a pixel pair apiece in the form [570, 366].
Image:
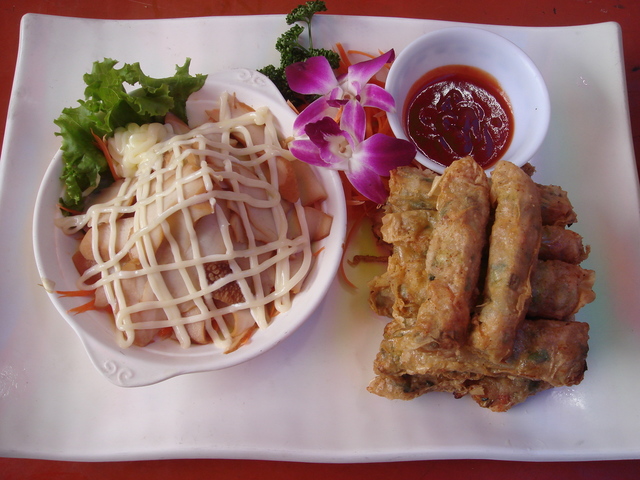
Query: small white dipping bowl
[138, 366]
[514, 71]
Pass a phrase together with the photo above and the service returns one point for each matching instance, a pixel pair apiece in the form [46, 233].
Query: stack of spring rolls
[482, 287]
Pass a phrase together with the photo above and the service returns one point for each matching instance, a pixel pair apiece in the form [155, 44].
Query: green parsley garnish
[292, 51]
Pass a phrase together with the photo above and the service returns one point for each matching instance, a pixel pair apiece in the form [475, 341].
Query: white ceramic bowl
[508, 64]
[137, 366]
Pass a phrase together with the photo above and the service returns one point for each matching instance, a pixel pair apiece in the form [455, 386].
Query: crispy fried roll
[408, 188]
[454, 256]
[498, 394]
[559, 243]
[560, 289]
[413, 227]
[556, 207]
[513, 250]
[426, 346]
[551, 351]
[407, 280]
[407, 225]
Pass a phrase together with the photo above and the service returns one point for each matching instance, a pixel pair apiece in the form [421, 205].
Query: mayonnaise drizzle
[150, 260]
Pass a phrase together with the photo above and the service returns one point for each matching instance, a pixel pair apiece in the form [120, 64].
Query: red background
[504, 12]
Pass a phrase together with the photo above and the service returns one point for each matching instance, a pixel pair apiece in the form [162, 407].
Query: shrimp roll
[513, 250]
[559, 289]
[454, 256]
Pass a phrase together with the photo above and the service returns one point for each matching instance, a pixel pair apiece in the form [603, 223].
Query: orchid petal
[335, 145]
[320, 130]
[360, 73]
[336, 94]
[368, 183]
[376, 96]
[343, 146]
[317, 110]
[308, 152]
[313, 76]
[382, 153]
[354, 120]
[337, 102]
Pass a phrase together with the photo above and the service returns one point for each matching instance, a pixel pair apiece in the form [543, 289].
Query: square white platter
[306, 400]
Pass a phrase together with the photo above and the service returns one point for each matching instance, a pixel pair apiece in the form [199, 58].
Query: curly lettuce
[109, 104]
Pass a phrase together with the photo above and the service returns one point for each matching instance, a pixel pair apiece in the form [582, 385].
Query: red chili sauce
[457, 110]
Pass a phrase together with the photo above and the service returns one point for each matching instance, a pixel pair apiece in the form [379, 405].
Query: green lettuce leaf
[109, 104]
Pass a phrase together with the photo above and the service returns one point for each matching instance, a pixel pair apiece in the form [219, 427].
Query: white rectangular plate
[306, 400]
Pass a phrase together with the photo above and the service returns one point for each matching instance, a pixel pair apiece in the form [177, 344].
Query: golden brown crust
[540, 353]
[452, 262]
[513, 249]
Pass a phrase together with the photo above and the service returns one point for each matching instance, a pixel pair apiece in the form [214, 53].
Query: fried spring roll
[559, 243]
[513, 251]
[546, 353]
[409, 188]
[407, 226]
[407, 278]
[551, 351]
[454, 256]
[381, 297]
[498, 394]
[556, 207]
[556, 211]
[413, 227]
[560, 289]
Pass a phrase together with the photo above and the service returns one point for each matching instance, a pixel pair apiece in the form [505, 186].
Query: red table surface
[500, 12]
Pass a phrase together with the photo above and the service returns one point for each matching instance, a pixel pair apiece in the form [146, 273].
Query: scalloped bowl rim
[138, 366]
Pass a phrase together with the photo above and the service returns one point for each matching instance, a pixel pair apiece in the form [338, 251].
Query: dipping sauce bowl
[466, 91]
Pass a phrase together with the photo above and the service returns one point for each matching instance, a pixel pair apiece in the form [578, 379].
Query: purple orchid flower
[322, 141]
[344, 147]
[315, 76]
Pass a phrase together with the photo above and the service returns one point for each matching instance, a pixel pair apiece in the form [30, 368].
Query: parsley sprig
[292, 50]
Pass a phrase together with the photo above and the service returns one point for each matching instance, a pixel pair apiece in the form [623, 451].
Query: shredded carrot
[357, 259]
[90, 305]
[273, 311]
[364, 54]
[75, 293]
[342, 273]
[102, 145]
[164, 332]
[383, 123]
[243, 339]
[315, 254]
[66, 209]
[344, 58]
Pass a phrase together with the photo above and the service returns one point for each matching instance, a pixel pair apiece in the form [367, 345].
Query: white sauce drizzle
[169, 181]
